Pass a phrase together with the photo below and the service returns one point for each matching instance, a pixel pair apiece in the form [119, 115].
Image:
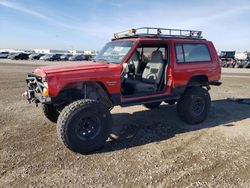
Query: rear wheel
[84, 125]
[152, 105]
[50, 112]
[194, 105]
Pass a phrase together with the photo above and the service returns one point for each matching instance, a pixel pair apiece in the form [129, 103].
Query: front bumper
[34, 92]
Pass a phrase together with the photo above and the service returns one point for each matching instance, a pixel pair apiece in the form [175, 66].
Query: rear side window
[186, 53]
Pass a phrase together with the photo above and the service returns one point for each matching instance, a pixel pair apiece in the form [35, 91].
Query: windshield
[114, 51]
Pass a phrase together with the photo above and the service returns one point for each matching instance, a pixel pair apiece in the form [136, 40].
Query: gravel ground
[153, 148]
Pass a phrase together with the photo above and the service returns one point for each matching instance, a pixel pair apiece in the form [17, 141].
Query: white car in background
[242, 60]
[4, 54]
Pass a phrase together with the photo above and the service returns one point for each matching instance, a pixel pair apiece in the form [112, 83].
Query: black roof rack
[152, 32]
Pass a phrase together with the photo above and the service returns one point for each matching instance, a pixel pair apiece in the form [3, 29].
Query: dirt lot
[154, 148]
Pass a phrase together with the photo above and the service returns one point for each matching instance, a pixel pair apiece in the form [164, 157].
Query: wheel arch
[198, 80]
[85, 90]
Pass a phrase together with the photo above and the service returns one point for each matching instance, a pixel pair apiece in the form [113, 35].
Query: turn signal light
[45, 92]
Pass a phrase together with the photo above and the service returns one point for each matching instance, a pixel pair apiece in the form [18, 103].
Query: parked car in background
[78, 57]
[35, 56]
[10, 54]
[227, 58]
[242, 59]
[247, 64]
[239, 64]
[4, 54]
[19, 56]
[65, 57]
[89, 57]
[51, 57]
[46, 56]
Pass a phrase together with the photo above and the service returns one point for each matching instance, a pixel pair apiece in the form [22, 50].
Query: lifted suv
[140, 66]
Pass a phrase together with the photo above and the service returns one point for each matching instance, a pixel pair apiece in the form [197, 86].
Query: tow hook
[30, 96]
[24, 94]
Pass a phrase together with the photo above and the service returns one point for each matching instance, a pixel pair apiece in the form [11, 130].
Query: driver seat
[151, 75]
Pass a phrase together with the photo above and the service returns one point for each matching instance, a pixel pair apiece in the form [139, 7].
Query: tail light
[169, 76]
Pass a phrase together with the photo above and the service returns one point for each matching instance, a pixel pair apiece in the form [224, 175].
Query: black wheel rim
[87, 128]
[198, 106]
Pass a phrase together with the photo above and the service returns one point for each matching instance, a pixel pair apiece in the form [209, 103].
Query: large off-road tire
[194, 105]
[84, 125]
[152, 105]
[50, 112]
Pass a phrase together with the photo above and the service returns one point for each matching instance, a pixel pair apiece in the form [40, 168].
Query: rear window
[186, 53]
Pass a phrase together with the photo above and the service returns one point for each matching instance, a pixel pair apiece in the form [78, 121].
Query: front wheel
[50, 112]
[194, 105]
[84, 125]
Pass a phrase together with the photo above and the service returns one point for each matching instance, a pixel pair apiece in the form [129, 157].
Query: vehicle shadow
[147, 126]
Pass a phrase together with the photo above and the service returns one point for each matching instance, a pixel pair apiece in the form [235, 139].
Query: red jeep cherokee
[140, 66]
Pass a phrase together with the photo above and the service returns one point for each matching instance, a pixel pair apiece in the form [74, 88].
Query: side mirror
[125, 68]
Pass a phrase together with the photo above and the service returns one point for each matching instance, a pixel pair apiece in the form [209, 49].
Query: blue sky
[78, 24]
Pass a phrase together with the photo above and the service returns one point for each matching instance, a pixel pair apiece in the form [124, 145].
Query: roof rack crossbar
[158, 32]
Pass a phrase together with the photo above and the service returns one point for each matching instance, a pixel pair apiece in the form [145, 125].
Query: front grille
[34, 88]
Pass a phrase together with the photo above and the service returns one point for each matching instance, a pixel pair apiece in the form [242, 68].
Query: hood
[83, 65]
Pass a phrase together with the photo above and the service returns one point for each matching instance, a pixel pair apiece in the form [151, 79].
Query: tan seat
[153, 71]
